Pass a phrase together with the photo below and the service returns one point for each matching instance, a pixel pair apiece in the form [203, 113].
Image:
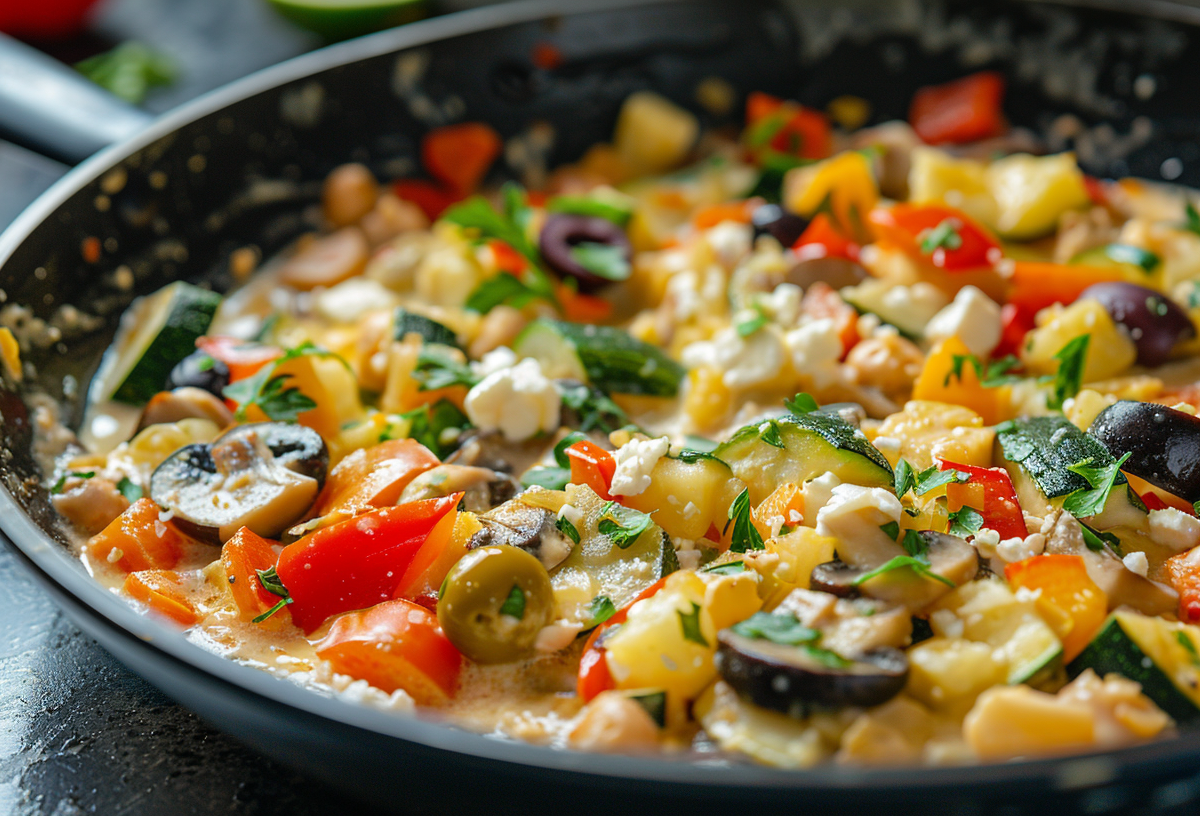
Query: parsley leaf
[514, 604]
[599, 610]
[591, 207]
[944, 236]
[1098, 542]
[551, 478]
[62, 480]
[991, 374]
[780, 628]
[904, 562]
[269, 391]
[904, 478]
[437, 426]
[271, 583]
[1183, 640]
[801, 404]
[437, 367]
[129, 490]
[602, 260]
[891, 529]
[769, 433]
[914, 543]
[827, 658]
[623, 525]
[753, 323]
[596, 410]
[568, 529]
[689, 622]
[130, 70]
[497, 290]
[934, 478]
[1066, 383]
[1193, 218]
[966, 521]
[728, 568]
[560, 450]
[1196, 507]
[745, 535]
[1084, 503]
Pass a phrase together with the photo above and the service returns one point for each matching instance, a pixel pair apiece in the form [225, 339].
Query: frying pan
[243, 165]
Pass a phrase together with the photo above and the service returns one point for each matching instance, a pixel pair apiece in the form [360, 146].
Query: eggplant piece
[263, 476]
[798, 680]
[528, 528]
[783, 226]
[1163, 444]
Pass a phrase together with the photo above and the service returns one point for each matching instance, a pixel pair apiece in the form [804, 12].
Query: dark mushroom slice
[528, 528]
[1154, 321]
[835, 272]
[264, 476]
[483, 489]
[1163, 444]
[184, 403]
[947, 556]
[798, 680]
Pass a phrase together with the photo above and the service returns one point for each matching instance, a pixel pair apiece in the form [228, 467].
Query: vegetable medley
[805, 444]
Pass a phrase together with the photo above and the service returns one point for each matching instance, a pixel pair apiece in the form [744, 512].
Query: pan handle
[49, 108]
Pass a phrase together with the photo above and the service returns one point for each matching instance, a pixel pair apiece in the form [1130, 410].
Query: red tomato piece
[395, 645]
[822, 240]
[358, 563]
[966, 110]
[788, 128]
[942, 236]
[433, 199]
[1001, 511]
[593, 466]
[243, 357]
[460, 155]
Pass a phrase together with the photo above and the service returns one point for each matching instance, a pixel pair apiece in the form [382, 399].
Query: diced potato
[1109, 352]
[764, 736]
[937, 177]
[1018, 721]
[789, 562]
[892, 734]
[730, 599]
[937, 430]
[1084, 407]
[653, 134]
[708, 400]
[1032, 193]
[687, 498]
[947, 674]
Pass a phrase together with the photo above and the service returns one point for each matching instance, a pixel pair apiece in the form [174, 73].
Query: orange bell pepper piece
[990, 491]
[161, 591]
[138, 540]
[786, 502]
[1036, 285]
[243, 556]
[938, 382]
[375, 476]
[1184, 572]
[1069, 600]
[460, 155]
[593, 466]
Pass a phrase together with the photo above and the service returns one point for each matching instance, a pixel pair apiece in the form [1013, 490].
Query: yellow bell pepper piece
[940, 382]
[844, 184]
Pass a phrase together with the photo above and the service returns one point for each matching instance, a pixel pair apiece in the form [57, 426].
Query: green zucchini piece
[1152, 652]
[798, 448]
[156, 332]
[1118, 256]
[1046, 447]
[406, 322]
[654, 701]
[598, 566]
[606, 357]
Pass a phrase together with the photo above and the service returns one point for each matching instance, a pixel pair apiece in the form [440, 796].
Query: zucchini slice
[1046, 447]
[1150, 651]
[598, 567]
[156, 332]
[798, 448]
[607, 358]
[406, 322]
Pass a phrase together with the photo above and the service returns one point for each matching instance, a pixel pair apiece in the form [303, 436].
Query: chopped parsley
[828, 659]
[966, 521]
[745, 535]
[917, 565]
[599, 610]
[437, 427]
[780, 628]
[991, 374]
[1193, 218]
[944, 236]
[438, 367]
[801, 404]
[728, 568]
[753, 323]
[1183, 640]
[129, 490]
[596, 410]
[551, 478]
[560, 450]
[1098, 542]
[270, 392]
[1066, 383]
[689, 622]
[1084, 503]
[74, 474]
[568, 529]
[504, 288]
[514, 604]
[891, 529]
[907, 478]
[271, 583]
[622, 525]
[914, 543]
[904, 477]
[769, 433]
[590, 207]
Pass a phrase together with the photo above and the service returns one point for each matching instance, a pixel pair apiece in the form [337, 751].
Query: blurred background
[78, 733]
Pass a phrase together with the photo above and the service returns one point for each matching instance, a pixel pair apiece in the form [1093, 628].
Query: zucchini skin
[1046, 447]
[1113, 650]
[617, 363]
[406, 322]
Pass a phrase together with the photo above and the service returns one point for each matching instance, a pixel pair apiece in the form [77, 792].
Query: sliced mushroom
[263, 476]
[850, 627]
[484, 489]
[184, 403]
[533, 529]
[797, 681]
[1122, 586]
[836, 272]
[950, 557]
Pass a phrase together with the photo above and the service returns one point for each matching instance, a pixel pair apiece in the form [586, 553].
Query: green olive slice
[494, 602]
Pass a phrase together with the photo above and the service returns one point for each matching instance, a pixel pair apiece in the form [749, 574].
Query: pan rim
[55, 567]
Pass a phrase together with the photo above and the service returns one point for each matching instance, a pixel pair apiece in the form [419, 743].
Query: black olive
[1163, 444]
[783, 226]
[791, 679]
[199, 370]
[562, 236]
[262, 476]
[1154, 321]
[836, 272]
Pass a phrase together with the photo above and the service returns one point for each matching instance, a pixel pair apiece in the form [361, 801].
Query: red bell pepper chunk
[507, 259]
[594, 676]
[433, 199]
[243, 357]
[822, 240]
[1015, 324]
[942, 236]
[993, 488]
[357, 563]
[965, 110]
[788, 128]
[460, 155]
[1037, 285]
[593, 466]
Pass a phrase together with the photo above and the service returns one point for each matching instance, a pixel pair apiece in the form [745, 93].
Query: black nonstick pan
[239, 167]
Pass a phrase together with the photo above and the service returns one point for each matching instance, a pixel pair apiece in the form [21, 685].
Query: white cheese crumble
[783, 304]
[1012, 550]
[854, 516]
[571, 513]
[635, 460]
[1136, 563]
[495, 360]
[973, 317]
[986, 541]
[519, 402]
[352, 299]
[817, 493]
[1174, 529]
[745, 361]
[730, 242]
[816, 348]
[556, 637]
[946, 623]
[915, 305]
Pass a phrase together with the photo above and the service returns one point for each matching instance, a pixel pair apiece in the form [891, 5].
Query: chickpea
[887, 362]
[349, 194]
[392, 217]
[500, 328]
[615, 723]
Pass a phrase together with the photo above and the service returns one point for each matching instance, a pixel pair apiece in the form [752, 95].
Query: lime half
[342, 19]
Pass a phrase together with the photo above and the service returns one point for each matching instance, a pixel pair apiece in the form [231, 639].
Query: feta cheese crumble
[973, 317]
[1174, 529]
[520, 402]
[635, 461]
